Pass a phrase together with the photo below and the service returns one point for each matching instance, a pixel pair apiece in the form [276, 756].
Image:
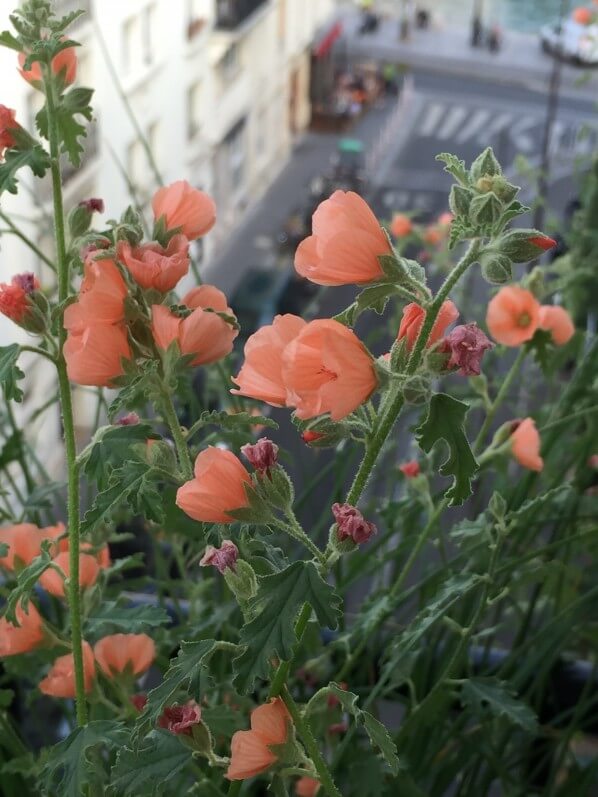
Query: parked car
[571, 41]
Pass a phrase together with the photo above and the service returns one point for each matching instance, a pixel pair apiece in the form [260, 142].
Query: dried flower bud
[93, 205]
[221, 558]
[466, 344]
[263, 455]
[17, 302]
[130, 419]
[410, 469]
[351, 524]
[181, 719]
[139, 701]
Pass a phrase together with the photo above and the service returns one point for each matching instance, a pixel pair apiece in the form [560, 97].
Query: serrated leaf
[112, 617]
[223, 720]
[271, 632]
[182, 676]
[134, 484]
[455, 166]
[375, 297]
[134, 391]
[228, 420]
[445, 421]
[10, 373]
[67, 770]
[36, 158]
[111, 445]
[489, 695]
[159, 757]
[75, 102]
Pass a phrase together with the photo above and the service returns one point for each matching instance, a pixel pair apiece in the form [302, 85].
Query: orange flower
[64, 64]
[513, 315]
[25, 543]
[307, 787]
[327, 369]
[8, 122]
[582, 15]
[94, 355]
[60, 681]
[525, 445]
[401, 225]
[413, 319]
[152, 266]
[119, 652]
[218, 487]
[261, 374]
[101, 296]
[345, 244]
[251, 751]
[53, 581]
[14, 303]
[203, 333]
[557, 321]
[28, 635]
[185, 207]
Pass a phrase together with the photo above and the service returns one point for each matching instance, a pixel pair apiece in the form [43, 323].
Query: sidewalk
[445, 49]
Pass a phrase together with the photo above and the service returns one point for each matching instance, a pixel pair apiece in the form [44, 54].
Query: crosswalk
[476, 123]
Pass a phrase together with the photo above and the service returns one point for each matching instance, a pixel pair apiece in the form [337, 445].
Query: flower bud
[466, 345]
[311, 437]
[221, 558]
[485, 165]
[496, 268]
[410, 469]
[23, 303]
[130, 419]
[351, 524]
[241, 581]
[520, 246]
[485, 209]
[460, 200]
[263, 455]
[79, 220]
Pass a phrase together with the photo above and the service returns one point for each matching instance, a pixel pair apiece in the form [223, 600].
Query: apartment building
[219, 89]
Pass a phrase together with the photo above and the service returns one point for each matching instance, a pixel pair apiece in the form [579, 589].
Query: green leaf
[6, 697]
[223, 720]
[112, 617]
[375, 297]
[26, 581]
[183, 675]
[111, 445]
[8, 40]
[271, 633]
[378, 734]
[75, 102]
[542, 347]
[14, 159]
[134, 391]
[68, 770]
[159, 758]
[445, 421]
[10, 373]
[228, 420]
[490, 696]
[453, 165]
[12, 449]
[135, 484]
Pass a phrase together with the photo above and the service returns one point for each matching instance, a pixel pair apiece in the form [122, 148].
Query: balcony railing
[231, 14]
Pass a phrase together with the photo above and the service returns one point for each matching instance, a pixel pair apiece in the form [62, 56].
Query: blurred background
[269, 105]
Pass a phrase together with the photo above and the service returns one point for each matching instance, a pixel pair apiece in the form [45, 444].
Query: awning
[323, 47]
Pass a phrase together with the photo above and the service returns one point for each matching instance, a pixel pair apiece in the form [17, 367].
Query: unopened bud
[460, 200]
[221, 558]
[352, 524]
[485, 209]
[497, 269]
[521, 246]
[485, 165]
[241, 581]
[263, 455]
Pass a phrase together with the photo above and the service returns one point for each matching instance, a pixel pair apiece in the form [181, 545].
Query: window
[193, 109]
[235, 152]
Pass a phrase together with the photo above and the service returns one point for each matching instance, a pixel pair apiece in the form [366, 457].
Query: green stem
[66, 403]
[500, 397]
[294, 530]
[172, 420]
[235, 788]
[311, 745]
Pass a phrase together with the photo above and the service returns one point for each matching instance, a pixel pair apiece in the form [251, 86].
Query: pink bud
[411, 469]
[351, 524]
[139, 701]
[466, 344]
[26, 281]
[263, 455]
[130, 419]
[93, 205]
[181, 719]
[221, 558]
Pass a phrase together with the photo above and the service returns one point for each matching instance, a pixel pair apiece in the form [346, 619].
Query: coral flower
[307, 787]
[327, 369]
[101, 296]
[261, 374]
[184, 206]
[401, 225]
[582, 15]
[345, 244]
[152, 266]
[203, 333]
[119, 652]
[26, 636]
[218, 487]
[525, 445]
[14, 303]
[94, 356]
[63, 64]
[60, 681]
[557, 321]
[410, 469]
[413, 318]
[24, 544]
[53, 581]
[181, 720]
[8, 122]
[251, 751]
[513, 315]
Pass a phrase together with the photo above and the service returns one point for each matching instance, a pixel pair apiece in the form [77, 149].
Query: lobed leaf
[10, 373]
[159, 758]
[489, 695]
[112, 617]
[36, 158]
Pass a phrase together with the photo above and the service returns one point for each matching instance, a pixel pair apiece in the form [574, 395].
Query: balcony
[232, 14]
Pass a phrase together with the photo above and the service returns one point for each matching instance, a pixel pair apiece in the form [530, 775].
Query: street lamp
[476, 23]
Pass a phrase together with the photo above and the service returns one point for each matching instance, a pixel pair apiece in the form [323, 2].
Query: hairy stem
[172, 420]
[66, 403]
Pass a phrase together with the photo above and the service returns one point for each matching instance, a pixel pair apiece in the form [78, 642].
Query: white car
[573, 42]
